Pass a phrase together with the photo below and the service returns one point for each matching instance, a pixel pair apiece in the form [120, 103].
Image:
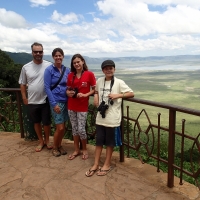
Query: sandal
[85, 156]
[62, 151]
[39, 148]
[103, 172]
[72, 156]
[49, 146]
[91, 172]
[55, 152]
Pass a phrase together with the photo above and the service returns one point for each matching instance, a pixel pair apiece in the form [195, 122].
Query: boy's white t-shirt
[113, 113]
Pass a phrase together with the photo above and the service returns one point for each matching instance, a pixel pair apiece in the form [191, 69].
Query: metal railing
[175, 140]
[8, 104]
[161, 143]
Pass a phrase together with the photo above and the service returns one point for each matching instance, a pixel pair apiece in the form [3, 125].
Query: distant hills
[121, 62]
[19, 58]
[23, 58]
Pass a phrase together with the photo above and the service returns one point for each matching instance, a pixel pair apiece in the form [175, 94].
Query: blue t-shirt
[51, 76]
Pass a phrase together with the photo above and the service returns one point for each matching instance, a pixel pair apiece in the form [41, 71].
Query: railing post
[171, 147]
[20, 113]
[121, 149]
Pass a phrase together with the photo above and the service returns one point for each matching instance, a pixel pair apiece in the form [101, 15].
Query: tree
[9, 71]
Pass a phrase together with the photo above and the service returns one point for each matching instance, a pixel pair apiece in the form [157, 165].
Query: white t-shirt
[33, 75]
[113, 113]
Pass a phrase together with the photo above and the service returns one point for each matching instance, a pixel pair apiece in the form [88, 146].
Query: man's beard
[38, 58]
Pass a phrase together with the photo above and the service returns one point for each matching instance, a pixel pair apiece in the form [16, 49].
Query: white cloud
[37, 3]
[137, 18]
[11, 19]
[191, 3]
[64, 19]
[20, 40]
[120, 28]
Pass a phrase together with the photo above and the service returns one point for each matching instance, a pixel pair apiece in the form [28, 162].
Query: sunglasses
[36, 52]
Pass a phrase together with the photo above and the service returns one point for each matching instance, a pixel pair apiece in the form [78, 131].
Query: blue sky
[107, 28]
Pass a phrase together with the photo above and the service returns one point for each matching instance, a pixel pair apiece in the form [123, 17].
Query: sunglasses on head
[36, 52]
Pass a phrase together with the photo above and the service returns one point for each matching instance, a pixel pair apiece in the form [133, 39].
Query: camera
[102, 108]
[75, 91]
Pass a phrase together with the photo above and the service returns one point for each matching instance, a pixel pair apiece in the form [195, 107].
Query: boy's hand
[114, 96]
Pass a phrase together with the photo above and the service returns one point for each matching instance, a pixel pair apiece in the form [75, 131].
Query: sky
[106, 28]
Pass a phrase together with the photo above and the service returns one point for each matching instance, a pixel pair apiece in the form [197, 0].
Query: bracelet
[123, 95]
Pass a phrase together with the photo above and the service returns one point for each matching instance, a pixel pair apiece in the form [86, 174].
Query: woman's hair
[85, 67]
[57, 50]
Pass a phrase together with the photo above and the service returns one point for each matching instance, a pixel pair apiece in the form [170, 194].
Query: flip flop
[85, 156]
[39, 148]
[91, 172]
[103, 172]
[72, 156]
[49, 146]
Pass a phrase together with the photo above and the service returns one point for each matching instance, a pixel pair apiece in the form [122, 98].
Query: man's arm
[23, 93]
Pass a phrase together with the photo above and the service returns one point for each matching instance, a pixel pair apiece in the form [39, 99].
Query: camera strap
[53, 87]
[111, 85]
[74, 76]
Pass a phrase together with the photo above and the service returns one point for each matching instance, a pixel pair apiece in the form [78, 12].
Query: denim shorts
[61, 117]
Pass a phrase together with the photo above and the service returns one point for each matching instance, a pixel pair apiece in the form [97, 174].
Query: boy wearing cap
[108, 96]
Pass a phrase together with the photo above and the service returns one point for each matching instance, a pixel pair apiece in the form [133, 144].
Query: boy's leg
[95, 167]
[98, 151]
[107, 163]
[110, 143]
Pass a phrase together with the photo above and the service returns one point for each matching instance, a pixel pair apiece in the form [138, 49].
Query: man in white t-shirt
[32, 75]
[108, 96]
